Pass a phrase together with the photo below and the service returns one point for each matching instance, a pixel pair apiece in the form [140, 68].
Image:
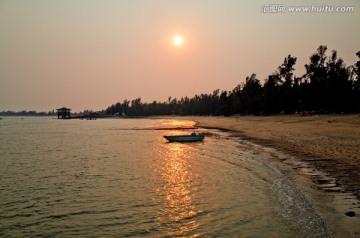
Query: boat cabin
[63, 113]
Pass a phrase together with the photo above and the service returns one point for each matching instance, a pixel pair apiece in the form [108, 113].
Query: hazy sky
[89, 54]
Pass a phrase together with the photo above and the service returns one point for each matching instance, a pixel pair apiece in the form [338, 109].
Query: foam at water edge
[295, 208]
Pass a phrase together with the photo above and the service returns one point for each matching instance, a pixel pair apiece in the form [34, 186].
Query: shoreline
[331, 144]
[321, 157]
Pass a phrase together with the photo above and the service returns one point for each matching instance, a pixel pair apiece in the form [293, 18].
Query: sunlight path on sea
[120, 177]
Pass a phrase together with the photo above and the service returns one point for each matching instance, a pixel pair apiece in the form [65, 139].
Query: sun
[178, 40]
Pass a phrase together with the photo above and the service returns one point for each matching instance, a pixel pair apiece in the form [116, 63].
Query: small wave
[80, 213]
[298, 211]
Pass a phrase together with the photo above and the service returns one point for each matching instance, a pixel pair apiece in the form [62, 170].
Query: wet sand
[330, 143]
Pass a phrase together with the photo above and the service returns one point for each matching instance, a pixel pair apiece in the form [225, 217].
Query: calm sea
[119, 177]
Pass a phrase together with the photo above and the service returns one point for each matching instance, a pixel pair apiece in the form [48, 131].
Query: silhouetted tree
[224, 105]
[312, 94]
[271, 97]
[288, 92]
[355, 78]
[235, 99]
[338, 90]
[357, 70]
[327, 85]
[251, 96]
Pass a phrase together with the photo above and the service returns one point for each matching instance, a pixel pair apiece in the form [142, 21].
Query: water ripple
[69, 179]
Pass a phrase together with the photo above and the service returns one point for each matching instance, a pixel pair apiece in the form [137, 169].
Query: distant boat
[185, 138]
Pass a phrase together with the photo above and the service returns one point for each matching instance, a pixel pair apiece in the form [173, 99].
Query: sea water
[119, 177]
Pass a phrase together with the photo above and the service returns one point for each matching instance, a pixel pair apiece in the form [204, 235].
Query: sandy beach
[329, 143]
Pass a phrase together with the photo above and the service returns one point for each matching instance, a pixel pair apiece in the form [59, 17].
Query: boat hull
[185, 138]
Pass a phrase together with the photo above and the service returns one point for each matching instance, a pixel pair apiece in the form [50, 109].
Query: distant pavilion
[63, 113]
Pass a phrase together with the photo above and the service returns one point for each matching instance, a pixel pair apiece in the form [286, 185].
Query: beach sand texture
[331, 143]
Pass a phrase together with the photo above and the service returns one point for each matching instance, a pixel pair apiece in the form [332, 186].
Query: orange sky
[88, 54]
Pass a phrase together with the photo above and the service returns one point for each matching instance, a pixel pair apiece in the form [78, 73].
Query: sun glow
[178, 40]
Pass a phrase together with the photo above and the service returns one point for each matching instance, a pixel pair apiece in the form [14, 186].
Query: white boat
[185, 138]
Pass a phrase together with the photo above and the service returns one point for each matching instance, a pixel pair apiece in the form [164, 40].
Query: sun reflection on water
[177, 123]
[177, 193]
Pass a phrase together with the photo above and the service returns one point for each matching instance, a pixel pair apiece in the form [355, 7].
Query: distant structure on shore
[63, 113]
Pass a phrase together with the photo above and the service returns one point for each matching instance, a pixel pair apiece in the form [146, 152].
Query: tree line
[27, 113]
[327, 86]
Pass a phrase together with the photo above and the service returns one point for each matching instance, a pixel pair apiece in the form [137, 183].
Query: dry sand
[330, 143]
